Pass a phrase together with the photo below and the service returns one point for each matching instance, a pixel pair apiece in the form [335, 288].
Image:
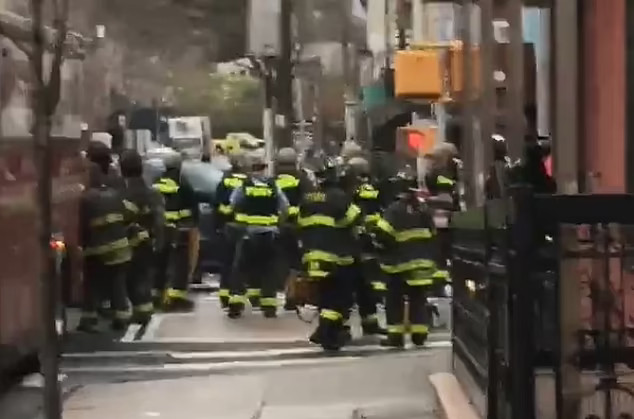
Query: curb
[452, 401]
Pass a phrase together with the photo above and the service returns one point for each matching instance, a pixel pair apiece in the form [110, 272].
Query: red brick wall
[604, 85]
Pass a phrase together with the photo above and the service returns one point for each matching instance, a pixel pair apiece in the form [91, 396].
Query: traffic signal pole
[285, 77]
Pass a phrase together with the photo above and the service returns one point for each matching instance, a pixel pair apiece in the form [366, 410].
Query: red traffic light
[416, 140]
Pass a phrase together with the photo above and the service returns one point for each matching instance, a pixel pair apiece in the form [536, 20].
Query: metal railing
[543, 301]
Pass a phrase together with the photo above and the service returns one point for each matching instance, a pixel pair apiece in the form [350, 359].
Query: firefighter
[225, 229]
[257, 206]
[327, 217]
[293, 183]
[106, 251]
[405, 234]
[145, 217]
[172, 276]
[368, 278]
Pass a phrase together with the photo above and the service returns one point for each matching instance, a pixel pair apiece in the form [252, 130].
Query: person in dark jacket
[327, 220]
[145, 214]
[223, 225]
[106, 250]
[293, 183]
[180, 220]
[405, 235]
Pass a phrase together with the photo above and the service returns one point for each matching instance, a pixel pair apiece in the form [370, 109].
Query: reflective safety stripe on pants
[330, 315]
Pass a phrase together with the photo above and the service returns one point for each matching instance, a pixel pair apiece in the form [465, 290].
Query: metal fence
[544, 304]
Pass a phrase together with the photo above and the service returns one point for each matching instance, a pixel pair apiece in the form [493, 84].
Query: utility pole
[266, 73]
[285, 77]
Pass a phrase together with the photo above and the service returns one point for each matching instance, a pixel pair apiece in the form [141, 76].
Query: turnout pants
[334, 298]
[172, 276]
[228, 238]
[399, 291]
[362, 272]
[253, 274]
[104, 282]
[139, 281]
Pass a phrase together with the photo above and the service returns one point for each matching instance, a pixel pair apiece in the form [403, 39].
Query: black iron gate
[544, 304]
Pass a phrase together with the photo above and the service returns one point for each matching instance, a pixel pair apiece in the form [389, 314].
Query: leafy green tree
[233, 102]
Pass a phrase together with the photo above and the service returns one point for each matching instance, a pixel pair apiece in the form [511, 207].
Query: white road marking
[152, 327]
[238, 354]
[131, 333]
[209, 366]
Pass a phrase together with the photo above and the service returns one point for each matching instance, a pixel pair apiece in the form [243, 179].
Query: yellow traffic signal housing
[418, 74]
[456, 69]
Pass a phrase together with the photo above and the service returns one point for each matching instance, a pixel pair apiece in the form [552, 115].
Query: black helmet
[131, 164]
[327, 171]
[99, 153]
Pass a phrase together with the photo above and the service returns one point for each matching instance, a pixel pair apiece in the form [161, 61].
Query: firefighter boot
[223, 296]
[235, 307]
[253, 294]
[419, 334]
[333, 335]
[394, 340]
[370, 326]
[177, 301]
[269, 312]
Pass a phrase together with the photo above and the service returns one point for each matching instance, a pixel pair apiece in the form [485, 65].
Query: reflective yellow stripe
[419, 282]
[144, 308]
[237, 299]
[293, 210]
[172, 215]
[413, 234]
[268, 302]
[225, 209]
[178, 294]
[184, 213]
[166, 186]
[130, 206]
[372, 218]
[265, 220]
[443, 180]
[286, 181]
[317, 274]
[396, 329]
[106, 219]
[379, 286]
[351, 214]
[139, 238]
[419, 328]
[385, 226]
[442, 275]
[253, 292]
[321, 256]
[118, 257]
[317, 220]
[409, 266]
[260, 191]
[122, 315]
[223, 292]
[367, 194]
[233, 182]
[110, 247]
[330, 314]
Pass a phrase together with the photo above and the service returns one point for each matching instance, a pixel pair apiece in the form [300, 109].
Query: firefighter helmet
[359, 166]
[131, 163]
[287, 156]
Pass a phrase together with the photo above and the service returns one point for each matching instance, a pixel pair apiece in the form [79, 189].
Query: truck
[190, 134]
